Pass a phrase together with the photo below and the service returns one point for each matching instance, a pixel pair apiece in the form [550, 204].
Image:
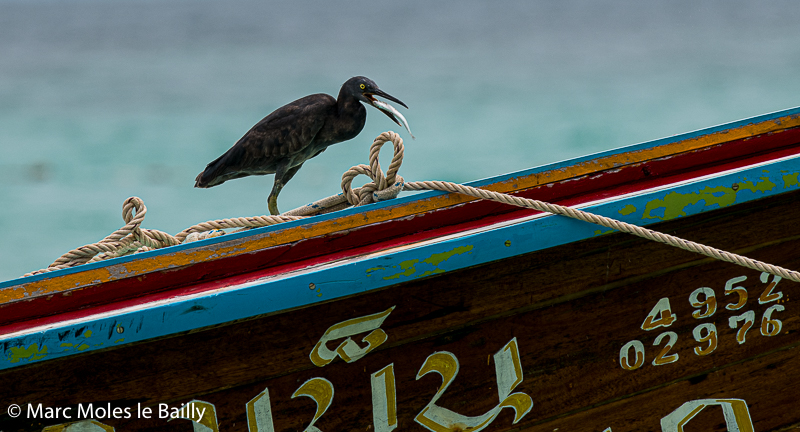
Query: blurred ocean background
[102, 100]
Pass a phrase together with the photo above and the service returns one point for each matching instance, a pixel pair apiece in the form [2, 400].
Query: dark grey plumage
[294, 133]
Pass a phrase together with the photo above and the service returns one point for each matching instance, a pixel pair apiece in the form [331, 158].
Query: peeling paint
[674, 203]
[628, 209]
[194, 308]
[374, 269]
[430, 272]
[790, 180]
[31, 353]
[437, 259]
[409, 267]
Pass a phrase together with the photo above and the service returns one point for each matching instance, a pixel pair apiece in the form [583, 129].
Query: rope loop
[397, 160]
[130, 238]
[383, 186]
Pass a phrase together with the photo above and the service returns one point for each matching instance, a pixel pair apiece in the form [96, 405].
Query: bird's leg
[272, 201]
[282, 176]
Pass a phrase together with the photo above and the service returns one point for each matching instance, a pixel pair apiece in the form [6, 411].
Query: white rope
[608, 223]
[131, 238]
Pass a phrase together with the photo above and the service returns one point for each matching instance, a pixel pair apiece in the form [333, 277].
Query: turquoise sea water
[102, 100]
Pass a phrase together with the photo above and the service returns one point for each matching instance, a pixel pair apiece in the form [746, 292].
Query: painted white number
[709, 302]
[748, 317]
[384, 400]
[259, 413]
[662, 358]
[710, 337]
[321, 391]
[768, 296]
[769, 326]
[638, 355]
[259, 409]
[660, 316]
[741, 291]
[509, 375]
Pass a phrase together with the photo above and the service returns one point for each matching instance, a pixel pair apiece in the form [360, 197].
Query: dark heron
[294, 133]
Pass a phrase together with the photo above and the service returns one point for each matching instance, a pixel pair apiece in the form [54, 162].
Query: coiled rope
[131, 238]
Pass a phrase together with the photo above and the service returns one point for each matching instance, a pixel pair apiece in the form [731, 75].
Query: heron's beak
[387, 109]
[384, 95]
[371, 97]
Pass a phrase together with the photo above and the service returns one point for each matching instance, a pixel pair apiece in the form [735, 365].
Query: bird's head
[365, 90]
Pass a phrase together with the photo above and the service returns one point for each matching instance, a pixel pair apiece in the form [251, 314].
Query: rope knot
[383, 186]
[391, 192]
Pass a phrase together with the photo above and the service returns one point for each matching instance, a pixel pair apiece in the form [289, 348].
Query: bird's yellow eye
[363, 86]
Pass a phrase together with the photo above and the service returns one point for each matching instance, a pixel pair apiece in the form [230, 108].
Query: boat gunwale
[62, 281]
[236, 303]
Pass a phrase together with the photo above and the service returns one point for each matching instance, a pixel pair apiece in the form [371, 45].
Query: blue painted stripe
[353, 277]
[409, 198]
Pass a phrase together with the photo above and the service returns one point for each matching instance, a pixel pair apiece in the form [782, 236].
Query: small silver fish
[390, 109]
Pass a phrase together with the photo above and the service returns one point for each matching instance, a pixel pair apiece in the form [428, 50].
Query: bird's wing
[289, 129]
[283, 135]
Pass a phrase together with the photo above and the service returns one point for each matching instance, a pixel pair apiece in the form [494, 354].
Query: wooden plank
[769, 400]
[571, 308]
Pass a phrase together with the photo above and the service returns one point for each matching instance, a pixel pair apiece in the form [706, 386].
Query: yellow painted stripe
[139, 267]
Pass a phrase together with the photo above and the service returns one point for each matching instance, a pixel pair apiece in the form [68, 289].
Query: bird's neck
[346, 101]
[350, 108]
[350, 117]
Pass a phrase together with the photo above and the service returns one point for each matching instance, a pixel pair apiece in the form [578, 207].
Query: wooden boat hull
[498, 319]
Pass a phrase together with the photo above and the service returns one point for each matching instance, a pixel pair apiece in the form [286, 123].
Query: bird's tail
[211, 175]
